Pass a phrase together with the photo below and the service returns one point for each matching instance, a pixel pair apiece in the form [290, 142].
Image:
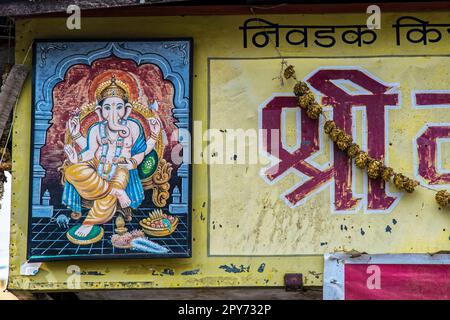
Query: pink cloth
[397, 282]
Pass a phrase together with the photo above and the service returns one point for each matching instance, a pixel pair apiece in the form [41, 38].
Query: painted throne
[154, 171]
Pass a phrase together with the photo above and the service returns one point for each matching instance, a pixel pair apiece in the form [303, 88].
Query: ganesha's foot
[83, 230]
[122, 197]
[85, 234]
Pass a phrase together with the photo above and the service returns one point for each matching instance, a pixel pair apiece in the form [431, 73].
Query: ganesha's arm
[138, 158]
[137, 135]
[150, 146]
[81, 142]
[91, 147]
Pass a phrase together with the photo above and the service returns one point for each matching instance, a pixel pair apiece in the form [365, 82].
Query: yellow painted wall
[267, 225]
[219, 37]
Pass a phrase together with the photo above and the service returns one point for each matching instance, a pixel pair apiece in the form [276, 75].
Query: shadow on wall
[4, 57]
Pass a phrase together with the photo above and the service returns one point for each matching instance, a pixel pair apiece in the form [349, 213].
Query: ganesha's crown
[112, 88]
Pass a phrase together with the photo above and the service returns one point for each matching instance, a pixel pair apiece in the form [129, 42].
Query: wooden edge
[307, 293]
[312, 293]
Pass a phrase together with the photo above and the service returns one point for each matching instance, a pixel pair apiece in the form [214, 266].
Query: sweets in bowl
[159, 224]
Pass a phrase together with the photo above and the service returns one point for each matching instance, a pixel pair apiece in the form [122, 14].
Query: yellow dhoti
[84, 177]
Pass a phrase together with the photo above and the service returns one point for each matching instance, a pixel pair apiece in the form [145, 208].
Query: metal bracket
[293, 281]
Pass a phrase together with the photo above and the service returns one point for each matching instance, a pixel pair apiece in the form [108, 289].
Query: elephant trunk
[114, 125]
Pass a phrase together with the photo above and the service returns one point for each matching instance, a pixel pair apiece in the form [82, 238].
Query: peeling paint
[137, 269]
[261, 267]
[91, 273]
[315, 274]
[190, 272]
[168, 271]
[156, 273]
[234, 269]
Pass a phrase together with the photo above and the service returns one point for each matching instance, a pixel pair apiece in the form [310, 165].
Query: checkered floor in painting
[48, 239]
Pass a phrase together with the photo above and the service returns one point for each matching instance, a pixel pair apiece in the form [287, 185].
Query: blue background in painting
[53, 59]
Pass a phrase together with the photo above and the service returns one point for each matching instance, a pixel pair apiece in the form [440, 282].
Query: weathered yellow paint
[219, 37]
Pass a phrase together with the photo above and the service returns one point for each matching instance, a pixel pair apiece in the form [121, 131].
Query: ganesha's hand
[127, 164]
[74, 126]
[155, 125]
[71, 153]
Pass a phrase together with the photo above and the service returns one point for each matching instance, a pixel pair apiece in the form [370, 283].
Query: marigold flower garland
[375, 167]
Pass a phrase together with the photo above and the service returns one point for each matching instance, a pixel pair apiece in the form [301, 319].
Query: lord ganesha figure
[102, 165]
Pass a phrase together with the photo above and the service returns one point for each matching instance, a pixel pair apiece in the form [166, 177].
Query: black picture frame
[83, 257]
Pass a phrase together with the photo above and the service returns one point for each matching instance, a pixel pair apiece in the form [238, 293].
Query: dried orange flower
[374, 168]
[353, 150]
[301, 88]
[328, 126]
[387, 173]
[344, 141]
[334, 134]
[443, 198]
[289, 72]
[399, 180]
[314, 111]
[410, 185]
[307, 100]
[361, 159]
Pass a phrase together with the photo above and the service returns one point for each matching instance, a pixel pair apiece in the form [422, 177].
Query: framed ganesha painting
[110, 170]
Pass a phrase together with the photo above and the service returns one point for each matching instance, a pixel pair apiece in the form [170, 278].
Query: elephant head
[113, 110]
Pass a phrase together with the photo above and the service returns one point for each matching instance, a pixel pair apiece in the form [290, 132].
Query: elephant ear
[98, 111]
[129, 108]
